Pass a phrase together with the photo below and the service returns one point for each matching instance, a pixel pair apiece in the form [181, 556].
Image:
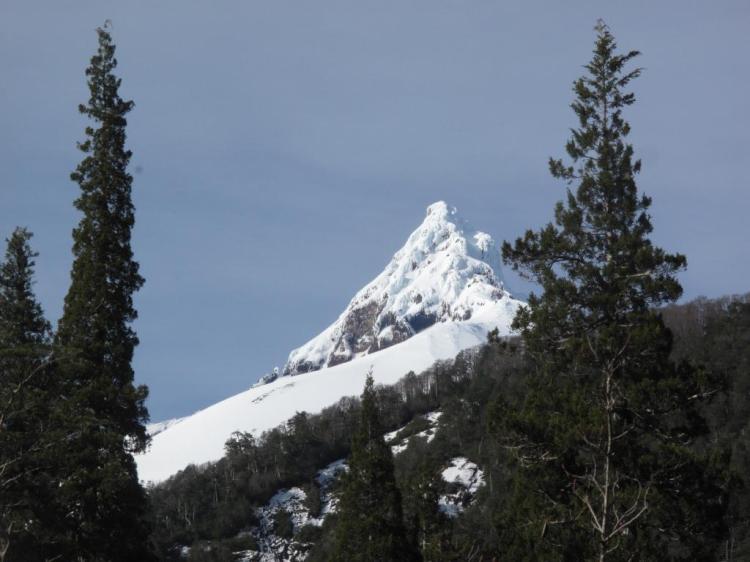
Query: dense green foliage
[716, 335]
[604, 441]
[371, 526]
[24, 403]
[99, 498]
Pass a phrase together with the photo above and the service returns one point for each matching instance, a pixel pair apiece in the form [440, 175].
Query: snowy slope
[441, 293]
[446, 271]
[157, 427]
[200, 438]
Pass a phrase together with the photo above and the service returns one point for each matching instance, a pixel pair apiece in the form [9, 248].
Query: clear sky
[284, 150]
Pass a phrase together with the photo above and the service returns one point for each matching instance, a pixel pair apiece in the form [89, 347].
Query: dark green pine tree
[604, 439]
[24, 399]
[370, 525]
[102, 503]
[427, 525]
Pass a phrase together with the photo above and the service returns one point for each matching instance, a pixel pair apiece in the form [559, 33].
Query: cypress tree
[24, 396]
[604, 439]
[100, 498]
[370, 524]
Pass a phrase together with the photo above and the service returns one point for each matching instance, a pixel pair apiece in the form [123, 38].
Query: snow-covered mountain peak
[446, 271]
[445, 231]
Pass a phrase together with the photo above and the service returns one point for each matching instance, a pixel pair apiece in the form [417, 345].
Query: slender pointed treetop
[105, 506]
[597, 251]
[22, 321]
[99, 305]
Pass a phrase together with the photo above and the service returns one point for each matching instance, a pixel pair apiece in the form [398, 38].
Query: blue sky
[284, 150]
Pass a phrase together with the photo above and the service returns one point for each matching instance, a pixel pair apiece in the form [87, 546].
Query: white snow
[427, 434]
[446, 271]
[292, 500]
[157, 427]
[467, 477]
[328, 475]
[433, 417]
[200, 438]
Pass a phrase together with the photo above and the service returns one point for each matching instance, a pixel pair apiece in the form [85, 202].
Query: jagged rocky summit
[446, 271]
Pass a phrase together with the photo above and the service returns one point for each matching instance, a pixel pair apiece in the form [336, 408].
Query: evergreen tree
[100, 498]
[24, 379]
[427, 524]
[370, 524]
[604, 437]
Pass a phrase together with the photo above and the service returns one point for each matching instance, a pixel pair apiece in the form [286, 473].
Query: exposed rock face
[446, 272]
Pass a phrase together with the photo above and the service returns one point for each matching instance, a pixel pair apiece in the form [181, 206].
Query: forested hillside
[213, 509]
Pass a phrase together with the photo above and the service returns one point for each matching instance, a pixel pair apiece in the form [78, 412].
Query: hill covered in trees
[214, 509]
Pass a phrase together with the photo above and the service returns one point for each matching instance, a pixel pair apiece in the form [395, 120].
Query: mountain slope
[446, 271]
[386, 329]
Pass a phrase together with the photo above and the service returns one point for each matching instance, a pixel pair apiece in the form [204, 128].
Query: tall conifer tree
[370, 524]
[427, 525]
[100, 497]
[24, 401]
[604, 438]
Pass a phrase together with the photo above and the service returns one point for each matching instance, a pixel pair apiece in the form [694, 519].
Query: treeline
[715, 334]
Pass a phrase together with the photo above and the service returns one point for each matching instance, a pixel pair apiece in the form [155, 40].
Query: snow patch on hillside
[292, 501]
[428, 434]
[464, 478]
